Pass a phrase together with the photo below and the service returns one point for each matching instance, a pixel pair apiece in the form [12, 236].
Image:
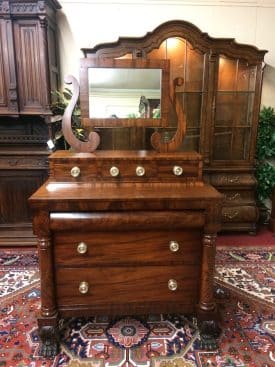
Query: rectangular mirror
[124, 92]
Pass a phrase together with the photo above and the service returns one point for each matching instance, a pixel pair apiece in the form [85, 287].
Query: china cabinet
[220, 94]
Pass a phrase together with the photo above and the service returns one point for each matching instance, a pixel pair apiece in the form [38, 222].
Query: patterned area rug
[248, 272]
[248, 327]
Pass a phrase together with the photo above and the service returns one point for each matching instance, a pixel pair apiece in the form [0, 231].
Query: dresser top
[125, 155]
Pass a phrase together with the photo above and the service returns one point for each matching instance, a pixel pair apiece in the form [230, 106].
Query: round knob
[172, 284]
[82, 248]
[140, 171]
[75, 171]
[114, 171]
[174, 246]
[177, 170]
[83, 287]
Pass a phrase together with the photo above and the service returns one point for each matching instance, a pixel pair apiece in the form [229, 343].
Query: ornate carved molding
[178, 28]
[23, 8]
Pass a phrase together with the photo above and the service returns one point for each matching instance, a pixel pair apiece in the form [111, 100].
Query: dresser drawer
[134, 167]
[237, 197]
[240, 213]
[134, 247]
[233, 179]
[119, 285]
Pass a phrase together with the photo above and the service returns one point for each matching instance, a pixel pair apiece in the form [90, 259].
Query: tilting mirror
[121, 93]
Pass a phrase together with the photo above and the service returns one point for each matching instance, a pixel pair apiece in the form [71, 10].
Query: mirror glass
[124, 93]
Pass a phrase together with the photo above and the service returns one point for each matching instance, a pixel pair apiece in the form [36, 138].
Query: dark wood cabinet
[28, 60]
[28, 73]
[22, 171]
[220, 94]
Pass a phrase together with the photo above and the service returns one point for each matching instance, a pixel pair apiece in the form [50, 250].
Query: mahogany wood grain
[127, 284]
[125, 248]
[127, 220]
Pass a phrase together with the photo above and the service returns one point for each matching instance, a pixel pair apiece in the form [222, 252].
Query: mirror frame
[139, 63]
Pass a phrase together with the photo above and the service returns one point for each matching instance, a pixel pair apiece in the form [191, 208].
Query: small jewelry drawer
[92, 286]
[179, 169]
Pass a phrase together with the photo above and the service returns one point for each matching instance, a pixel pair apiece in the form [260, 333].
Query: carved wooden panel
[8, 94]
[34, 89]
[15, 188]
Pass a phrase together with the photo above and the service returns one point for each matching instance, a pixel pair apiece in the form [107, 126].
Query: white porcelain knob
[83, 287]
[75, 172]
[114, 171]
[174, 246]
[140, 171]
[82, 248]
[177, 170]
[172, 284]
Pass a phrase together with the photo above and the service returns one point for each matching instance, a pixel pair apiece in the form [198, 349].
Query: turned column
[207, 303]
[46, 264]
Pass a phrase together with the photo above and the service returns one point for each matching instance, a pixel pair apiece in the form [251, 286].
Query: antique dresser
[121, 231]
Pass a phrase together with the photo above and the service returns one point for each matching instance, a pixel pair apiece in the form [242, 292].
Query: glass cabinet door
[233, 109]
[188, 64]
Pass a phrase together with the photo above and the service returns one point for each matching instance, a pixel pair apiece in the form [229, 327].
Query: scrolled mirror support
[78, 145]
[176, 140]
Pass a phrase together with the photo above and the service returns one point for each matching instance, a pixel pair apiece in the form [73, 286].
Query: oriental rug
[244, 290]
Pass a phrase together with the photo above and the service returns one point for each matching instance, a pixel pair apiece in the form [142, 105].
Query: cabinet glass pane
[234, 108]
[227, 74]
[188, 64]
[231, 143]
[191, 103]
[246, 77]
[194, 70]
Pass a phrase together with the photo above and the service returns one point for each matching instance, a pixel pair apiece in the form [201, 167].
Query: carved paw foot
[209, 333]
[49, 342]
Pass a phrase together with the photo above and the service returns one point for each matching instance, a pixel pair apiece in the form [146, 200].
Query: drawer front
[137, 247]
[233, 197]
[120, 285]
[233, 179]
[127, 171]
[243, 213]
[66, 171]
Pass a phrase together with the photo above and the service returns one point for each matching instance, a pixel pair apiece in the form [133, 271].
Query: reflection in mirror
[124, 93]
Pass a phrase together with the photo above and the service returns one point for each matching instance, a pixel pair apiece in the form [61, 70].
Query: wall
[88, 23]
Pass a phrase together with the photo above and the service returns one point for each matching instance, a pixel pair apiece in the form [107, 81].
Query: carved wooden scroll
[75, 143]
[176, 140]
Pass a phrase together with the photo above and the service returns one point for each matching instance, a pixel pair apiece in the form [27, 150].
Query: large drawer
[119, 285]
[134, 247]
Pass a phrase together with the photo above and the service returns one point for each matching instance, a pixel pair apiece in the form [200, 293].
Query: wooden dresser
[125, 232]
[126, 243]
